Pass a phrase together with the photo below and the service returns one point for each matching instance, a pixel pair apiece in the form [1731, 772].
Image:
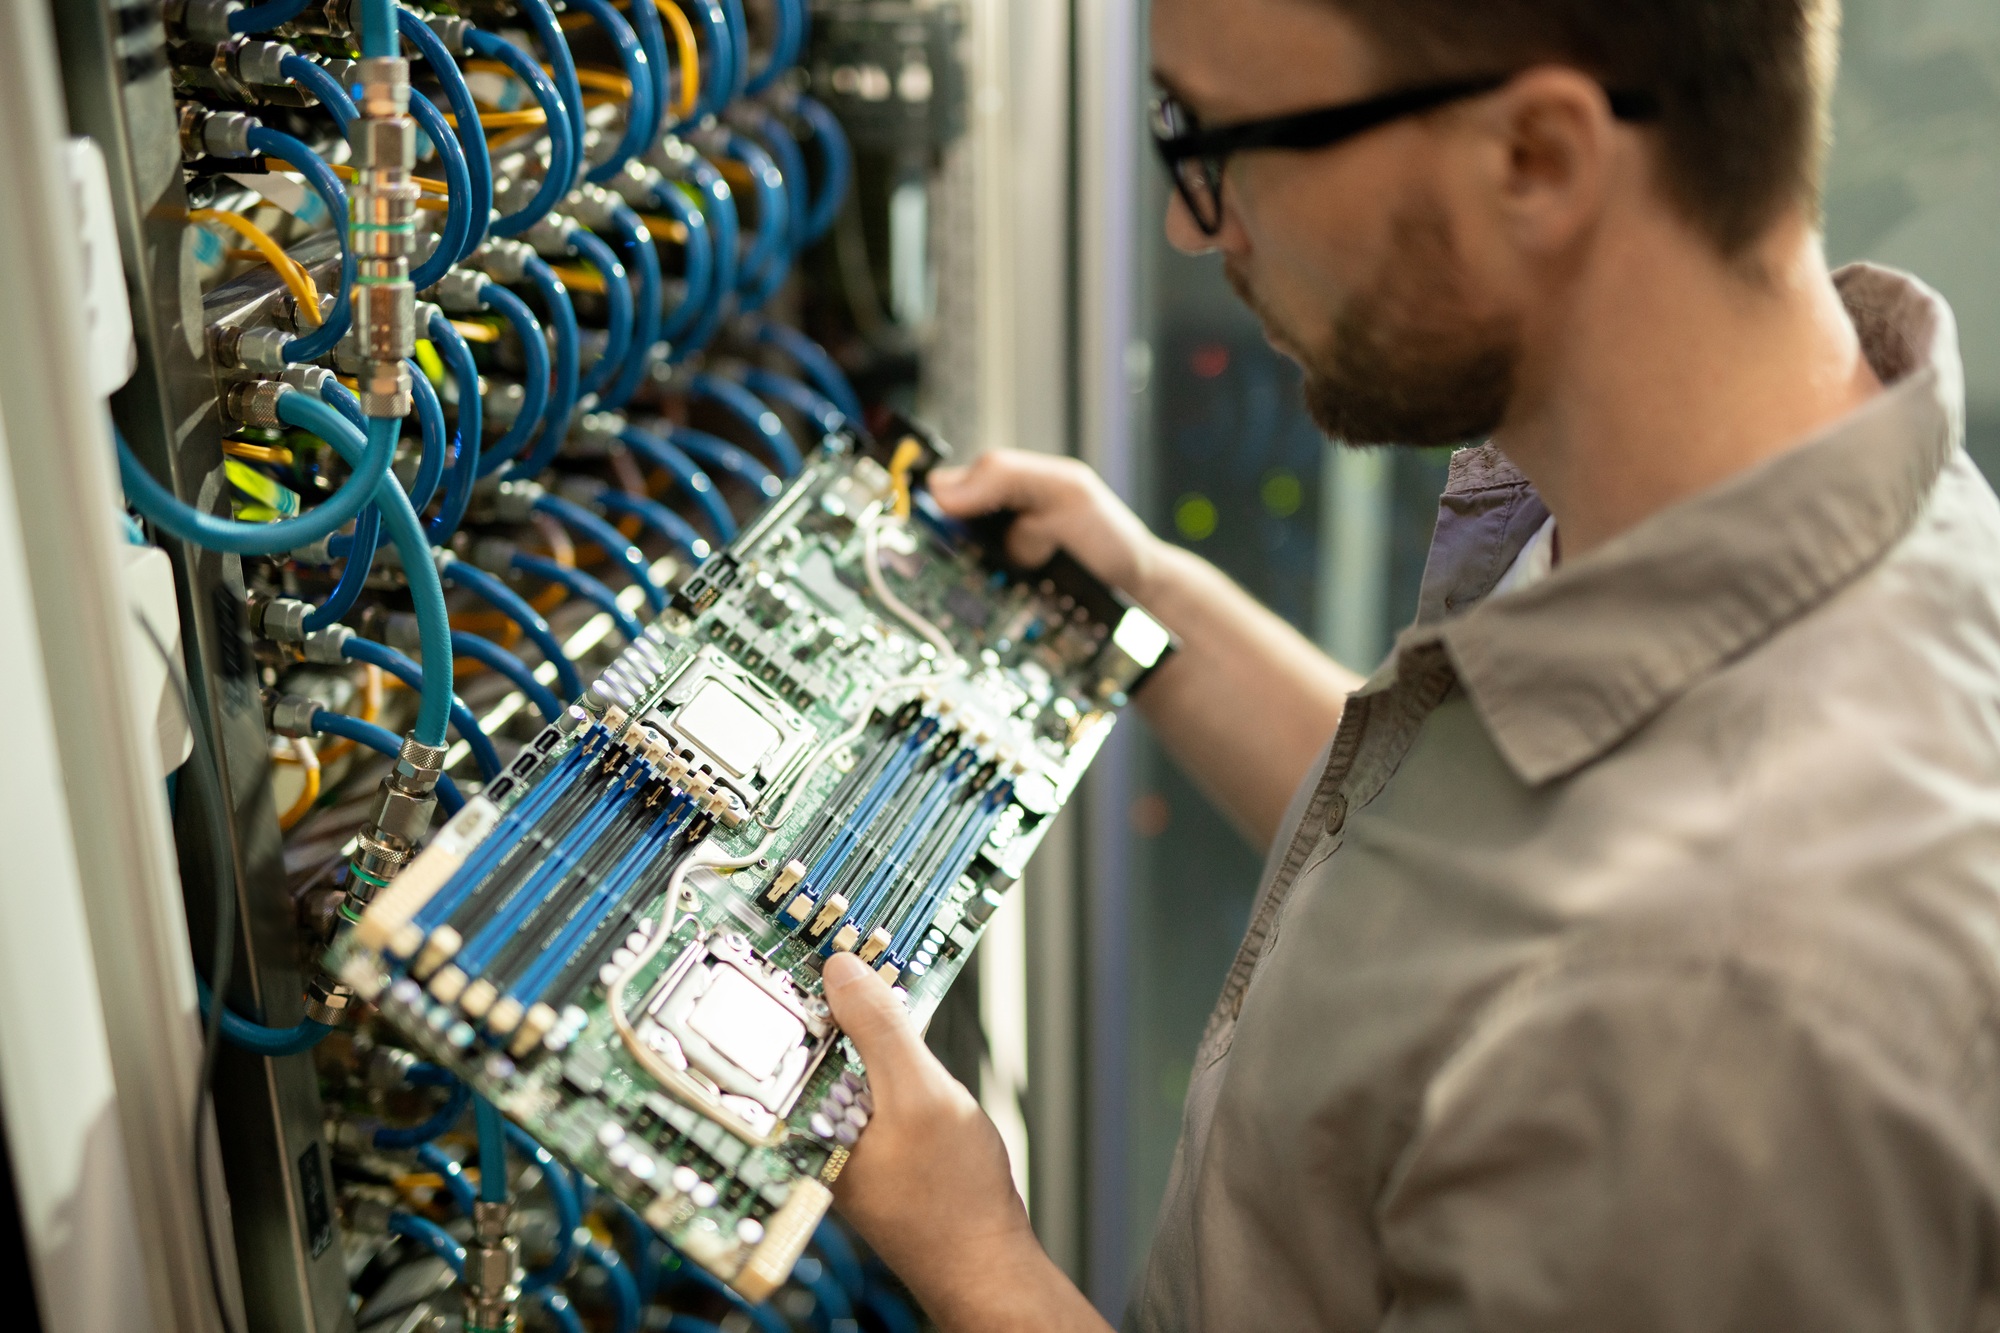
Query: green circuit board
[850, 733]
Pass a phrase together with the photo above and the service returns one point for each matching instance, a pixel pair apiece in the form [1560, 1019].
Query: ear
[1552, 149]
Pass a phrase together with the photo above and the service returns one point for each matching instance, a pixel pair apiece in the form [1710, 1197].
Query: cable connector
[309, 380]
[203, 20]
[324, 646]
[396, 822]
[513, 501]
[500, 406]
[282, 619]
[254, 63]
[550, 236]
[451, 30]
[596, 433]
[636, 183]
[215, 133]
[592, 205]
[260, 349]
[292, 715]
[458, 291]
[492, 1270]
[505, 261]
[256, 403]
[495, 555]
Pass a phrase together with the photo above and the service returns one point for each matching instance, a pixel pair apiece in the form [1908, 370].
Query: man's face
[1358, 260]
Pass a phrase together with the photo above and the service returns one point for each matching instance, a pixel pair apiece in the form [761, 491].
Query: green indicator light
[1195, 517]
[1282, 493]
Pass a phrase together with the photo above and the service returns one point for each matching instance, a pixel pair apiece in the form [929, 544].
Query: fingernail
[946, 476]
[841, 970]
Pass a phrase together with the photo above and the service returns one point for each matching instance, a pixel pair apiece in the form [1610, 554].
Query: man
[1628, 958]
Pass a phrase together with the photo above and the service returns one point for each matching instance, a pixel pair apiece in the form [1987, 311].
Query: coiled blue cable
[659, 518]
[739, 49]
[618, 308]
[431, 1236]
[451, 241]
[384, 742]
[717, 76]
[430, 424]
[370, 653]
[616, 545]
[786, 42]
[336, 395]
[492, 1127]
[816, 407]
[255, 1037]
[583, 585]
[471, 139]
[507, 602]
[534, 375]
[720, 206]
[624, 1289]
[745, 406]
[653, 40]
[275, 143]
[559, 1309]
[562, 397]
[558, 180]
[271, 14]
[433, 1158]
[323, 86]
[698, 252]
[396, 1138]
[719, 455]
[498, 660]
[836, 161]
[812, 359]
[457, 358]
[692, 480]
[645, 259]
[632, 57]
[783, 146]
[769, 257]
[541, 19]
[569, 1210]
[354, 572]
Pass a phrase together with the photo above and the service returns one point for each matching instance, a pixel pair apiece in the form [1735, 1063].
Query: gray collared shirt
[1633, 962]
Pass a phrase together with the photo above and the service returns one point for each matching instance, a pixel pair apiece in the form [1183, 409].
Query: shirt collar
[1563, 671]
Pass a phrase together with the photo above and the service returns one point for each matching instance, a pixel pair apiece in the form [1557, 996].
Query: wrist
[1013, 1287]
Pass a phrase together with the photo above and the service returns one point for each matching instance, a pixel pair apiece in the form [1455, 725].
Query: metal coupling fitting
[325, 646]
[458, 290]
[402, 632]
[399, 819]
[580, 489]
[215, 133]
[383, 143]
[385, 320]
[451, 30]
[389, 1067]
[515, 500]
[419, 765]
[420, 316]
[261, 349]
[327, 1000]
[549, 237]
[493, 554]
[385, 90]
[256, 403]
[283, 620]
[635, 183]
[307, 379]
[256, 62]
[343, 69]
[376, 859]
[204, 20]
[347, 356]
[592, 205]
[506, 261]
[292, 715]
[385, 389]
[500, 405]
[597, 432]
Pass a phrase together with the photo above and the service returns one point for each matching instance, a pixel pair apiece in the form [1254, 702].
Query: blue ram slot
[506, 833]
[919, 918]
[878, 795]
[562, 858]
[609, 896]
[897, 861]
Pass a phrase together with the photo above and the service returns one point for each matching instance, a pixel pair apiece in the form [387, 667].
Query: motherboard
[849, 733]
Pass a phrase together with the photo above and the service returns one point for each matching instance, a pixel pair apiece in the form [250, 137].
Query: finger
[871, 1015]
[1006, 479]
[1031, 543]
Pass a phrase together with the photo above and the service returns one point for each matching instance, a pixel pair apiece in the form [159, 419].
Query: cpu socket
[746, 1035]
[742, 733]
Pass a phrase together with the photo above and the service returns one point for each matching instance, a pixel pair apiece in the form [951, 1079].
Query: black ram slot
[534, 844]
[930, 856]
[596, 950]
[881, 833]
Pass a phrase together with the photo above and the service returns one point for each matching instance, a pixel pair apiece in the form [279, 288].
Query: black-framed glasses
[1195, 157]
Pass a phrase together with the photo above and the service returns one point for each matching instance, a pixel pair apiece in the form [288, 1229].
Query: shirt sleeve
[1683, 1149]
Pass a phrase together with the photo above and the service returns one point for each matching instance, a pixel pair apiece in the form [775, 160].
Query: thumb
[871, 1015]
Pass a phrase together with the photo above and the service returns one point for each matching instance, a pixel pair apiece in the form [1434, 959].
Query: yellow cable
[690, 57]
[604, 81]
[309, 760]
[907, 454]
[371, 709]
[303, 289]
[257, 453]
[474, 331]
[506, 120]
[581, 279]
[666, 229]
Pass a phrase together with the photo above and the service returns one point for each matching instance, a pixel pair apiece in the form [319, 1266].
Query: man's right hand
[1060, 503]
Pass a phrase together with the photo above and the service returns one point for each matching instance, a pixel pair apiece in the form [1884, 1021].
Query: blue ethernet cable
[271, 14]
[452, 238]
[314, 79]
[745, 406]
[618, 308]
[719, 455]
[615, 543]
[691, 479]
[400, 1137]
[507, 602]
[492, 1129]
[562, 397]
[357, 649]
[430, 425]
[431, 1236]
[720, 206]
[583, 585]
[558, 1308]
[558, 180]
[167, 512]
[815, 406]
[836, 161]
[325, 722]
[786, 44]
[645, 260]
[255, 1037]
[339, 397]
[268, 142]
[633, 59]
[739, 49]
[719, 77]
[624, 1289]
[769, 257]
[698, 251]
[569, 1210]
[433, 1158]
[779, 141]
[359, 560]
[534, 376]
[457, 358]
[653, 40]
[541, 18]
[471, 140]
[812, 359]
[659, 518]
[501, 662]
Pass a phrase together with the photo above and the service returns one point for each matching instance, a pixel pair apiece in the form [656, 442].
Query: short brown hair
[1743, 85]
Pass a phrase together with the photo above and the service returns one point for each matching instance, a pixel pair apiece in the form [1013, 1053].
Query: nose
[1183, 232]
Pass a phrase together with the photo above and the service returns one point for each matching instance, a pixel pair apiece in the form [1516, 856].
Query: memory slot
[611, 895]
[566, 896]
[591, 954]
[889, 780]
[552, 872]
[839, 808]
[505, 835]
[873, 838]
[917, 828]
[919, 918]
[930, 858]
[520, 861]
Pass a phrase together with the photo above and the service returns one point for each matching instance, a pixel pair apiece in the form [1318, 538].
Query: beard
[1408, 361]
